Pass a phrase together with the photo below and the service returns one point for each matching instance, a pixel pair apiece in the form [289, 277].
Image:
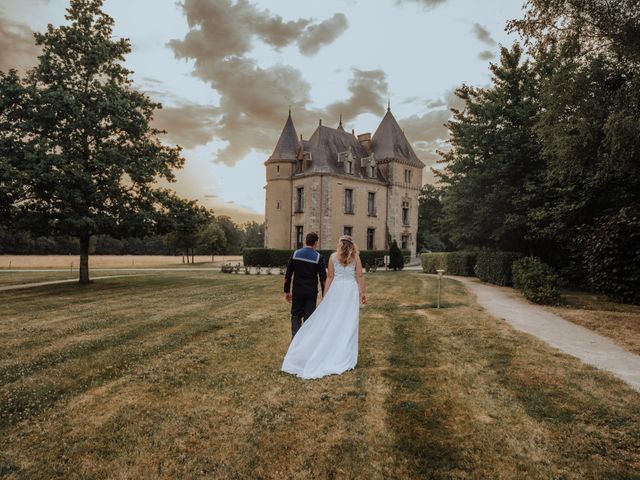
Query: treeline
[217, 236]
[546, 160]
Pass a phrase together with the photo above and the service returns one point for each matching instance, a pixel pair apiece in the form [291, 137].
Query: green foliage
[430, 234]
[611, 255]
[211, 237]
[494, 167]
[537, 280]
[495, 267]
[78, 138]
[253, 235]
[454, 263]
[270, 257]
[396, 261]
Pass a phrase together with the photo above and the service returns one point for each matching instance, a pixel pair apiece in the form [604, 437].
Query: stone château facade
[336, 183]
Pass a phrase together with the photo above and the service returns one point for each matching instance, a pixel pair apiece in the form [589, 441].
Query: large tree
[78, 154]
[588, 56]
[493, 169]
[430, 235]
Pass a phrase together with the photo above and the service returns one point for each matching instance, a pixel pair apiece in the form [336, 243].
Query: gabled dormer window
[372, 171]
[349, 166]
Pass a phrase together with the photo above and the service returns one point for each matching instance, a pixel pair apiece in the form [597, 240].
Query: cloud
[425, 3]
[369, 90]
[254, 99]
[483, 35]
[486, 55]
[315, 36]
[17, 46]
[187, 124]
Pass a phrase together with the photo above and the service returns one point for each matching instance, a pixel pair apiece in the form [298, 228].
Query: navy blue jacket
[306, 266]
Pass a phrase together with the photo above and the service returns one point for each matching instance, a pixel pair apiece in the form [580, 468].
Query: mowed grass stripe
[96, 316]
[471, 397]
[98, 361]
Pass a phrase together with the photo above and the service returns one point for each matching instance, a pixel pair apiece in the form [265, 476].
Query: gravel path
[588, 346]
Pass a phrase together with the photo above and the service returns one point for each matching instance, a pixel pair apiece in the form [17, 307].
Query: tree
[232, 233]
[187, 220]
[429, 220]
[396, 260]
[588, 56]
[253, 235]
[494, 169]
[76, 138]
[211, 238]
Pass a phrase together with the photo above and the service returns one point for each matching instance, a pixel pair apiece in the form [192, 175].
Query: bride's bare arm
[330, 274]
[360, 279]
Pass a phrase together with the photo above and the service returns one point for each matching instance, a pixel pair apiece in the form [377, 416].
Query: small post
[440, 273]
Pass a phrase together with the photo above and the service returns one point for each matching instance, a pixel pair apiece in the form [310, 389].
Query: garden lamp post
[440, 273]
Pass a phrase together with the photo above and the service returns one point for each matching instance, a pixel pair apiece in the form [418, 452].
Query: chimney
[365, 141]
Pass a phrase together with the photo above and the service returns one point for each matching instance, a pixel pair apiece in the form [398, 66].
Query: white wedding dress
[327, 343]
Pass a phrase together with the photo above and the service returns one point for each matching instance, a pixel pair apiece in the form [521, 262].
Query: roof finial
[289, 110]
[320, 123]
[340, 118]
[389, 104]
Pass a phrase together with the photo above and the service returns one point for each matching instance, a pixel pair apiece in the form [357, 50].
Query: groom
[306, 266]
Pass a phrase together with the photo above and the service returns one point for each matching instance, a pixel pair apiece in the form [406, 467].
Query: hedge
[270, 257]
[537, 280]
[610, 251]
[453, 263]
[495, 267]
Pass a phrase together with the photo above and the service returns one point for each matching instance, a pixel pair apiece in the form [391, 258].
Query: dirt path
[588, 346]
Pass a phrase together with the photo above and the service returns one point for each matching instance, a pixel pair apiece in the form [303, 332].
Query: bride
[327, 343]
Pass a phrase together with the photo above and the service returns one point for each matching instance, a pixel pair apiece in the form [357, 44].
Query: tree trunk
[84, 258]
[193, 252]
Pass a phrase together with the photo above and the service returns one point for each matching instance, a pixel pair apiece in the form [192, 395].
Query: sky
[227, 71]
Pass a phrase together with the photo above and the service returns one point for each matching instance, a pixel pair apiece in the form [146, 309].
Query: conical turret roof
[287, 146]
[389, 142]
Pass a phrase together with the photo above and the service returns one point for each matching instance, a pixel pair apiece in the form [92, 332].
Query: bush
[396, 261]
[537, 280]
[454, 263]
[495, 267]
[610, 251]
[270, 257]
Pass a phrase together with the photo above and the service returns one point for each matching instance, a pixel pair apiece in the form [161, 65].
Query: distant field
[106, 261]
[176, 375]
[9, 278]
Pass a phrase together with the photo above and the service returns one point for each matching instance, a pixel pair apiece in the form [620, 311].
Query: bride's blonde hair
[347, 250]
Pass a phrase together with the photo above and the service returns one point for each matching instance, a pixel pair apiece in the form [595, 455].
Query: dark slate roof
[326, 143]
[389, 142]
[287, 146]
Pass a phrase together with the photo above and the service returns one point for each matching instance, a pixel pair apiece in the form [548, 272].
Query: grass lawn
[8, 279]
[618, 321]
[177, 376]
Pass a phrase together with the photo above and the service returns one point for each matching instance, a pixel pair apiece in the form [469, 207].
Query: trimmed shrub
[396, 261]
[537, 280]
[610, 251]
[454, 263]
[495, 267]
[433, 261]
[270, 257]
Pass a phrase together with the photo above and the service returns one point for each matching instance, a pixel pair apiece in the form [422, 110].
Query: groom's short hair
[311, 239]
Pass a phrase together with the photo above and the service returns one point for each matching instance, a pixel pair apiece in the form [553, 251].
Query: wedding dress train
[327, 342]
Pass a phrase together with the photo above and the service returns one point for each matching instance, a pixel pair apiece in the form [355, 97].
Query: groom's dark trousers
[306, 267]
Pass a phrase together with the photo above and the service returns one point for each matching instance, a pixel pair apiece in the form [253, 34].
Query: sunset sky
[227, 71]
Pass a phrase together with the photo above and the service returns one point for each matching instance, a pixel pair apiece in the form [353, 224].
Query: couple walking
[327, 342]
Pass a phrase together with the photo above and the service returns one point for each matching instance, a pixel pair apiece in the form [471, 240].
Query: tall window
[347, 231]
[349, 166]
[405, 241]
[299, 199]
[405, 213]
[371, 204]
[348, 201]
[407, 176]
[372, 171]
[278, 169]
[278, 205]
[371, 232]
[299, 236]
